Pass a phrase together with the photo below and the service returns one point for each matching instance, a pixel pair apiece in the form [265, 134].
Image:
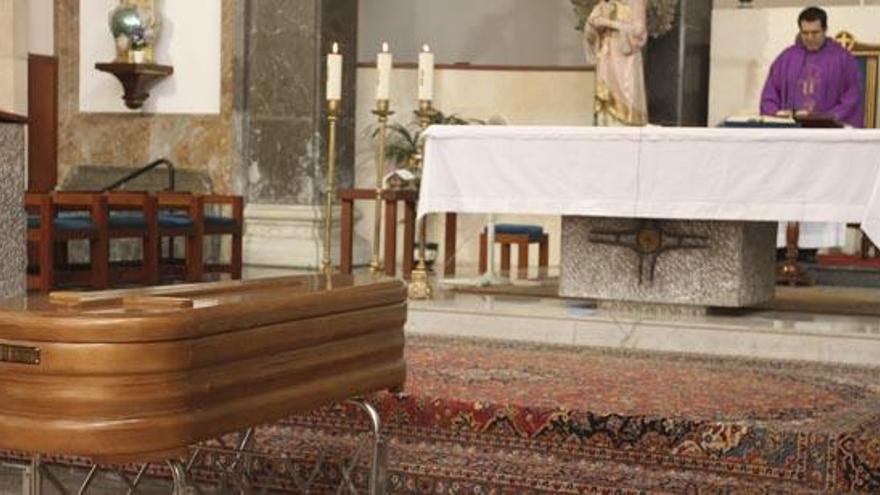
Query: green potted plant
[404, 142]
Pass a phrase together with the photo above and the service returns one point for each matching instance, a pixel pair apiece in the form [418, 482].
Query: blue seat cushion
[127, 220]
[174, 220]
[218, 221]
[535, 232]
[73, 220]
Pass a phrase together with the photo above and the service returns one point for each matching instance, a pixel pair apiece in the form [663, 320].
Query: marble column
[284, 124]
[13, 252]
[677, 68]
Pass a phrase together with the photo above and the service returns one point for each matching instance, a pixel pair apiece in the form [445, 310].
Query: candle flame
[335, 47]
[385, 46]
[426, 48]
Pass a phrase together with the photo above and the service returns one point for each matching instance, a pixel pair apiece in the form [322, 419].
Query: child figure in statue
[615, 33]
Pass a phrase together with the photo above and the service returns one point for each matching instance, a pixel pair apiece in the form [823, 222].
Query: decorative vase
[135, 31]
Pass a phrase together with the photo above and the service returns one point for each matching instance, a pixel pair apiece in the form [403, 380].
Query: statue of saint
[615, 33]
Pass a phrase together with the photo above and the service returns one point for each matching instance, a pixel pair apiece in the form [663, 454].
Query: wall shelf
[136, 79]
[12, 118]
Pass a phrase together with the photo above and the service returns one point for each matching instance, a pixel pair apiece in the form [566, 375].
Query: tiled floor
[762, 334]
[848, 339]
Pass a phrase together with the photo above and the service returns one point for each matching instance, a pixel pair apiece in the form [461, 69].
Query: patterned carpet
[492, 417]
[495, 417]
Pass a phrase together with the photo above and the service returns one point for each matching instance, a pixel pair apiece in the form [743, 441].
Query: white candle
[426, 74]
[334, 74]
[383, 77]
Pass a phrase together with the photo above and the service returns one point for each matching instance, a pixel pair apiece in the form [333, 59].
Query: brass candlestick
[382, 112]
[332, 117]
[419, 286]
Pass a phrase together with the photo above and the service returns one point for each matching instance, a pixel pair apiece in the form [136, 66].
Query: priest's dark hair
[813, 14]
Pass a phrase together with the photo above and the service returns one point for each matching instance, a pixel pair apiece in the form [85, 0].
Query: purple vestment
[826, 81]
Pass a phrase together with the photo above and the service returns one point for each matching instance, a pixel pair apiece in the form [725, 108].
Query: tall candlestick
[330, 193]
[383, 77]
[426, 74]
[382, 111]
[334, 74]
[419, 286]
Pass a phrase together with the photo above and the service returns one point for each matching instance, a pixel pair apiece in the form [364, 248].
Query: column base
[292, 236]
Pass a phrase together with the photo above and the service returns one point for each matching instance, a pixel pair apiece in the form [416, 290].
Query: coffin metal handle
[19, 354]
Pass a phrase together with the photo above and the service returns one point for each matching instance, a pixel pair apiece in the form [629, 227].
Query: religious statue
[615, 34]
[615, 31]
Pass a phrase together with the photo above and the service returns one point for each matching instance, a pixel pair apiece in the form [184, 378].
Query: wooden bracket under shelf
[136, 79]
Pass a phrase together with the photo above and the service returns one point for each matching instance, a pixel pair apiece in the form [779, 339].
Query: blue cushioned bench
[53, 219]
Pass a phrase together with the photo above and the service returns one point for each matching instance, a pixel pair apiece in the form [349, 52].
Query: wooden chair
[181, 215]
[522, 236]
[134, 215]
[222, 225]
[57, 218]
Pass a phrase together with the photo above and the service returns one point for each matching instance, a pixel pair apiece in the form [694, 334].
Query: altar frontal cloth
[821, 175]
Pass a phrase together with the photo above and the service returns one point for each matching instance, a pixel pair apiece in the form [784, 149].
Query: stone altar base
[671, 262]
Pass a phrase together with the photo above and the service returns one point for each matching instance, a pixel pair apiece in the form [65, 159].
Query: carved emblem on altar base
[648, 240]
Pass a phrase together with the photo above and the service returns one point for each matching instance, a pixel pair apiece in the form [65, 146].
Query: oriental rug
[496, 417]
[501, 417]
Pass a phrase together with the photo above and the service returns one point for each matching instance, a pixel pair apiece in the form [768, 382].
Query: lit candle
[383, 67]
[426, 74]
[334, 74]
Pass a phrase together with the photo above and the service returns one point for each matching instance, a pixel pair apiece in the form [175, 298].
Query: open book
[759, 119]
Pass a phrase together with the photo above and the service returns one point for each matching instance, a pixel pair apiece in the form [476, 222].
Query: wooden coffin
[139, 374]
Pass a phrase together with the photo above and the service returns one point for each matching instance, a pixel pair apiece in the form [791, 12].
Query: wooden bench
[56, 218]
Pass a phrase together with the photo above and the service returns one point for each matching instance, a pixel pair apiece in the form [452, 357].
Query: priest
[815, 76]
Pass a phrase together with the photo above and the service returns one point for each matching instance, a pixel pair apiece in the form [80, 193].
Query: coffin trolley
[141, 375]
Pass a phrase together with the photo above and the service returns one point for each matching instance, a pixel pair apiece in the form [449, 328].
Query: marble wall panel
[204, 142]
[283, 159]
[285, 123]
[678, 87]
[281, 51]
[13, 255]
[339, 21]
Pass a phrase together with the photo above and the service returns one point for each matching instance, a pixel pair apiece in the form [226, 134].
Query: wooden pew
[49, 231]
[99, 217]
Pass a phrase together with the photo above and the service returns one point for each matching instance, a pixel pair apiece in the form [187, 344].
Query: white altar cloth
[821, 175]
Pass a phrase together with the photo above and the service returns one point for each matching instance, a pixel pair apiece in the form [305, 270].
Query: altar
[644, 208]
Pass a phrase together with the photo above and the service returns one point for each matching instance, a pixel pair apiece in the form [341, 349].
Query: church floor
[515, 394]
